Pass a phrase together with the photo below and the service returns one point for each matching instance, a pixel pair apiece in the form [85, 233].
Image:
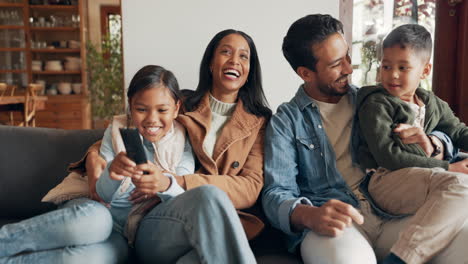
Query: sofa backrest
[33, 161]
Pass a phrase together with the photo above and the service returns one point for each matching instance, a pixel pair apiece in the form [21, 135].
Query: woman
[225, 118]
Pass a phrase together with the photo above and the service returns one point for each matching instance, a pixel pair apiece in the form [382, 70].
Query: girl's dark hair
[150, 76]
[251, 93]
[303, 34]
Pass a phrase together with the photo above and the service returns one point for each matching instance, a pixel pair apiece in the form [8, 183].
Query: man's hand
[330, 219]
[95, 164]
[415, 135]
[459, 166]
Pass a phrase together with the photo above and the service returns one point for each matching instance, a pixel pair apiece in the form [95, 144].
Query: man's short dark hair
[411, 36]
[303, 34]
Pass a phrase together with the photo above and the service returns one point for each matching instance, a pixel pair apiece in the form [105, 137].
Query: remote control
[133, 145]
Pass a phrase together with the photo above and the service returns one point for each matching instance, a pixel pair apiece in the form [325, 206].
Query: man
[311, 177]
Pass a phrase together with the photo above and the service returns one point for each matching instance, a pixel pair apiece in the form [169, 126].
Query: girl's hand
[122, 167]
[150, 183]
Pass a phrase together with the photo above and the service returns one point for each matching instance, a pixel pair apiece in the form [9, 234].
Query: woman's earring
[211, 70]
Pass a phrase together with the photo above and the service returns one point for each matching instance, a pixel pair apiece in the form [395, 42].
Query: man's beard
[330, 90]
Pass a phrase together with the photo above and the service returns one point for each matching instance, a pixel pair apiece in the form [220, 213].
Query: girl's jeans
[80, 231]
[198, 226]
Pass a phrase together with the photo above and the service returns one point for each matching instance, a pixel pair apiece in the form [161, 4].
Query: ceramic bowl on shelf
[51, 91]
[36, 65]
[74, 44]
[53, 65]
[72, 63]
[64, 87]
[76, 87]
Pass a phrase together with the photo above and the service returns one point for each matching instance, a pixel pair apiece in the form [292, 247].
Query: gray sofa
[34, 160]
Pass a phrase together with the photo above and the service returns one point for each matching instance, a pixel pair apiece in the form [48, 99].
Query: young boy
[405, 180]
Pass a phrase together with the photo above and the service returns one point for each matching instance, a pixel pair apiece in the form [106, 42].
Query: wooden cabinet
[45, 43]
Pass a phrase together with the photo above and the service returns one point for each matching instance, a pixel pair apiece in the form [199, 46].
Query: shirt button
[321, 154]
[235, 165]
[311, 146]
[319, 126]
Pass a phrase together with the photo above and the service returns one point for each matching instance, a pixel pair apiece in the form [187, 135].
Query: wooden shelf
[56, 50]
[54, 28]
[13, 71]
[13, 49]
[54, 7]
[12, 5]
[11, 27]
[71, 111]
[55, 72]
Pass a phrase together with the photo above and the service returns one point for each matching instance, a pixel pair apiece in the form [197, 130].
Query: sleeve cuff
[449, 151]
[285, 210]
[173, 190]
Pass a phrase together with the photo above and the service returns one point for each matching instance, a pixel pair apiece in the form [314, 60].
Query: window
[372, 20]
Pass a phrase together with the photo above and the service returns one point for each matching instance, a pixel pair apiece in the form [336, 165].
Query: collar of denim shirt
[303, 99]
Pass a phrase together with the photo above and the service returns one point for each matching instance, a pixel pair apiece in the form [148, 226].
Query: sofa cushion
[33, 161]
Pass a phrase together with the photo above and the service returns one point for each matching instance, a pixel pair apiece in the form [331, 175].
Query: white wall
[174, 34]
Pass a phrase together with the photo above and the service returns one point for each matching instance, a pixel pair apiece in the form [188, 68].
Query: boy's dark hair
[150, 76]
[411, 36]
[251, 93]
[303, 34]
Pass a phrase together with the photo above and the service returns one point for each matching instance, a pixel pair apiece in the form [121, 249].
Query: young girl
[82, 230]
[153, 98]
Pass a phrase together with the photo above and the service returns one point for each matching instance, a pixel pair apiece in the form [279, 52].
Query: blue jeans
[198, 226]
[80, 231]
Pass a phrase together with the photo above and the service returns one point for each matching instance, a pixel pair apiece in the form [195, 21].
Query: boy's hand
[122, 166]
[330, 219]
[459, 166]
[416, 135]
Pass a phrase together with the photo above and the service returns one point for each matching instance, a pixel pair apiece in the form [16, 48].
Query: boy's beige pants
[437, 198]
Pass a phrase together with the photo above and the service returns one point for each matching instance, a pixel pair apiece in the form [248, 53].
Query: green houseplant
[105, 78]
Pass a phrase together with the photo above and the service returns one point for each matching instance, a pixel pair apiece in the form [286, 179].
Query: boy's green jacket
[380, 112]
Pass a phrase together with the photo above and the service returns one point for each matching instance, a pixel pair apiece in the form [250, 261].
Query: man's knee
[350, 248]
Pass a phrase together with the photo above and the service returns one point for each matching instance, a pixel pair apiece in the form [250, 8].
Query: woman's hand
[138, 197]
[152, 182]
[95, 165]
[122, 166]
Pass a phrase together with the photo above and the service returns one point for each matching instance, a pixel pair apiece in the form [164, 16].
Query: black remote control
[133, 145]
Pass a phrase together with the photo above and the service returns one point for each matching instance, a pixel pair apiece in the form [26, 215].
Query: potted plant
[105, 80]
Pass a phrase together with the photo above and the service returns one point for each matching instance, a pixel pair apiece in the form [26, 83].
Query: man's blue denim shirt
[300, 163]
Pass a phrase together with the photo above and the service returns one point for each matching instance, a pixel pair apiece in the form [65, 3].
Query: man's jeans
[198, 226]
[78, 232]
